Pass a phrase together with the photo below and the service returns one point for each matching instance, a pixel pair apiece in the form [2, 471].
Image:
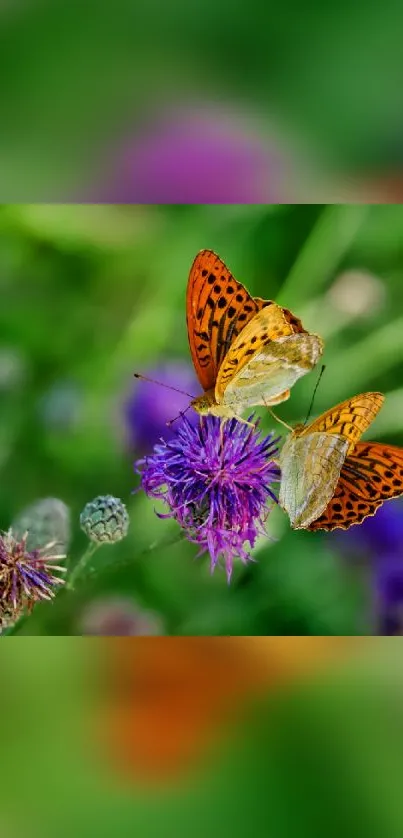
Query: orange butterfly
[332, 480]
[246, 351]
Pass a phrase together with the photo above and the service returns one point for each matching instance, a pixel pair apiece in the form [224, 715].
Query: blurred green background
[91, 294]
[321, 758]
[80, 79]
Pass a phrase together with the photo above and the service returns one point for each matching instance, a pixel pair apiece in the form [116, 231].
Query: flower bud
[47, 522]
[105, 520]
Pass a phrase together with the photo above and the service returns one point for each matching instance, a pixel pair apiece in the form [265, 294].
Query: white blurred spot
[357, 293]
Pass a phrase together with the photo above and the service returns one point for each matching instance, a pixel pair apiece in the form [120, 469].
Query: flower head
[26, 577]
[148, 407]
[105, 520]
[216, 480]
[197, 155]
[117, 616]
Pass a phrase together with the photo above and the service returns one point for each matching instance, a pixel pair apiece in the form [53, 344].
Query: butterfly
[329, 478]
[246, 351]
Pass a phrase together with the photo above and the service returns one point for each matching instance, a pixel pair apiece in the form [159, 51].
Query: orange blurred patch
[169, 699]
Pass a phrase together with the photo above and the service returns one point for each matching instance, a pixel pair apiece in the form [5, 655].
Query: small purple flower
[26, 577]
[148, 407]
[216, 480]
[202, 156]
[116, 616]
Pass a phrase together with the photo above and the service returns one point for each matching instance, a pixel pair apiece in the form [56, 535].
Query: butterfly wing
[370, 475]
[217, 309]
[310, 468]
[265, 360]
[349, 419]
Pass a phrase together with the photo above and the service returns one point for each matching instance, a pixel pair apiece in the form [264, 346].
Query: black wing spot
[222, 302]
[204, 272]
[210, 302]
[337, 507]
[351, 514]
[349, 505]
[200, 314]
[338, 516]
[250, 352]
[217, 289]
[242, 317]
[230, 289]
[211, 279]
[396, 482]
[231, 311]
[389, 474]
[254, 339]
[362, 507]
[239, 298]
[248, 307]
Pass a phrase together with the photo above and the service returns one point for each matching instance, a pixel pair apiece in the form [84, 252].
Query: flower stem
[15, 627]
[81, 565]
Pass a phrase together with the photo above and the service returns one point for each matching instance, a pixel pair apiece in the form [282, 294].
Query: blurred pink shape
[195, 156]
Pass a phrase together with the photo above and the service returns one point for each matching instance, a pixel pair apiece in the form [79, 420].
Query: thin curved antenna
[160, 384]
[182, 413]
[314, 393]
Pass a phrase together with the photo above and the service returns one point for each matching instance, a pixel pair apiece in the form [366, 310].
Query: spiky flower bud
[47, 521]
[26, 576]
[105, 520]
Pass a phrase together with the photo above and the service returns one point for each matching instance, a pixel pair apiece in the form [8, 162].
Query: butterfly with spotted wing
[246, 351]
[329, 478]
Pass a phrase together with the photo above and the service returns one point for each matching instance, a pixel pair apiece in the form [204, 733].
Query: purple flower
[26, 577]
[378, 534]
[196, 156]
[380, 540]
[216, 480]
[118, 617]
[149, 407]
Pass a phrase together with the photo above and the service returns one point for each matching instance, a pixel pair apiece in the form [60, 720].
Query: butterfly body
[330, 479]
[246, 351]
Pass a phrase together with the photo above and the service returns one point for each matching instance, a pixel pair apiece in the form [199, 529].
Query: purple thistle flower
[148, 407]
[216, 479]
[196, 155]
[26, 576]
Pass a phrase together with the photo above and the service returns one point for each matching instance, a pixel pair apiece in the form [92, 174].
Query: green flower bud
[47, 522]
[105, 520]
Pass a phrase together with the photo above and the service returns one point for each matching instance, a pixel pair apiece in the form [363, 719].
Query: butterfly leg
[277, 418]
[244, 421]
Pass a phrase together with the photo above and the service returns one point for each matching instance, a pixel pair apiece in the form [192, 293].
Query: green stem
[15, 628]
[119, 565]
[81, 565]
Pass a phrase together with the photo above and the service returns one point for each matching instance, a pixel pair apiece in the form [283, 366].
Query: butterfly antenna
[314, 393]
[160, 384]
[182, 413]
